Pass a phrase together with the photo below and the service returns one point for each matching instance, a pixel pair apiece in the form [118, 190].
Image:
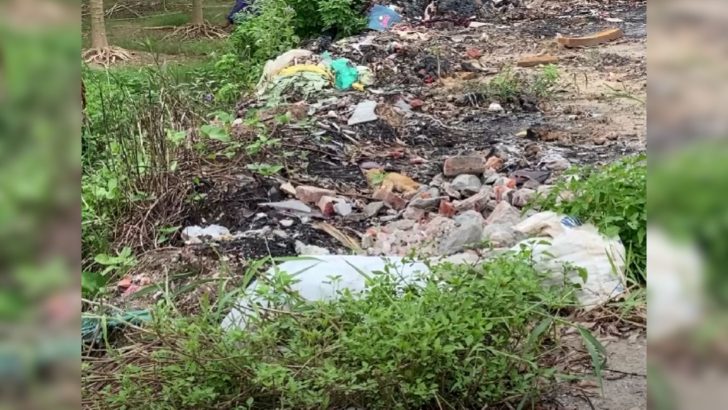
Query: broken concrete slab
[289, 205]
[364, 112]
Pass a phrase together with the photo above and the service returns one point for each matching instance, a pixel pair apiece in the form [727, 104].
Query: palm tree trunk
[197, 18]
[98, 27]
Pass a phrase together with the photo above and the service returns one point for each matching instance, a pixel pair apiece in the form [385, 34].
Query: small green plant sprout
[265, 170]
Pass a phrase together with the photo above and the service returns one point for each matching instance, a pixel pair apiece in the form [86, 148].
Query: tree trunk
[197, 18]
[98, 27]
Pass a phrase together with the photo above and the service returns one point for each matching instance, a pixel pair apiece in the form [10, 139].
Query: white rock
[495, 107]
[286, 223]
[342, 208]
[310, 250]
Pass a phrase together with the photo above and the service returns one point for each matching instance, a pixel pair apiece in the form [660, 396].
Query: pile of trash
[306, 73]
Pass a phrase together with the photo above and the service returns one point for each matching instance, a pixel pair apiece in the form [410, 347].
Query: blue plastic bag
[383, 18]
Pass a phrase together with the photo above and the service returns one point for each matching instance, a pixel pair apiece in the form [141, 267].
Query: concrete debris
[289, 205]
[310, 250]
[373, 208]
[467, 184]
[363, 112]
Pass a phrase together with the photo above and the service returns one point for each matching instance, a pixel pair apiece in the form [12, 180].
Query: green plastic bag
[345, 72]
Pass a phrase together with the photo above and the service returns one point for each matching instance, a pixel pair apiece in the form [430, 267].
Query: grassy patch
[467, 337]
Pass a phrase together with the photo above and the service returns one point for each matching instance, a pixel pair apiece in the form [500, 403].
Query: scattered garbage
[382, 18]
[346, 73]
[562, 250]
[197, 235]
[363, 112]
[314, 280]
[94, 328]
[272, 67]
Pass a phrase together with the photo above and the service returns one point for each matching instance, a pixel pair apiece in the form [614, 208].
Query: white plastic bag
[315, 280]
[570, 243]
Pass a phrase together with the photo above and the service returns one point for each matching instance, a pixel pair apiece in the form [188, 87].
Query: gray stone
[490, 176]
[428, 204]
[401, 225]
[504, 214]
[555, 162]
[531, 184]
[469, 233]
[450, 191]
[500, 235]
[280, 233]
[438, 180]
[414, 214]
[522, 197]
[373, 208]
[466, 183]
[468, 217]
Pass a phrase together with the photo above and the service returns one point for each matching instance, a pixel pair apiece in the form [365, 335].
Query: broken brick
[446, 209]
[416, 103]
[326, 205]
[464, 164]
[124, 283]
[591, 40]
[533, 61]
[389, 198]
[494, 163]
[473, 53]
[312, 194]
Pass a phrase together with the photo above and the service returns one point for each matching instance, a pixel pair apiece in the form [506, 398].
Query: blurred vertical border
[40, 120]
[688, 204]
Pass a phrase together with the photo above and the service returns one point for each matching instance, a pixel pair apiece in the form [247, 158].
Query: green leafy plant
[614, 198]
[264, 169]
[543, 84]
